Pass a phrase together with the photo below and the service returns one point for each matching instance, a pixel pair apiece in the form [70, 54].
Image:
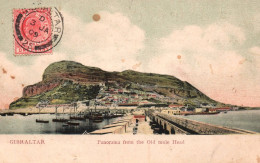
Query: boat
[41, 121]
[10, 114]
[97, 120]
[60, 120]
[78, 117]
[95, 116]
[73, 123]
[108, 115]
[3, 114]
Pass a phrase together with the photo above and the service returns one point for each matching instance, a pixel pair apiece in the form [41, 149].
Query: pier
[169, 124]
[118, 127]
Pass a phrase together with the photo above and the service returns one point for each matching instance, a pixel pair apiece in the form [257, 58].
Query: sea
[18, 124]
[246, 119]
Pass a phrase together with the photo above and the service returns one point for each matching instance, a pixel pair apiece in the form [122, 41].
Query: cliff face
[56, 73]
[39, 88]
[67, 81]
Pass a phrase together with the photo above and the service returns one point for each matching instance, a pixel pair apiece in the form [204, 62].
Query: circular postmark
[38, 30]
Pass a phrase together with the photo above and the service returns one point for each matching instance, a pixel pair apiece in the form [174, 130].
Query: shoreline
[34, 110]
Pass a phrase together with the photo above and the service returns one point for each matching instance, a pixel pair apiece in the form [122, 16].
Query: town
[120, 98]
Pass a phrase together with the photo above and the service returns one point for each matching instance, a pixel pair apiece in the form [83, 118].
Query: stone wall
[195, 127]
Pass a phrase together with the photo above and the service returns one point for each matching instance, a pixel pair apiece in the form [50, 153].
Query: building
[199, 110]
[171, 111]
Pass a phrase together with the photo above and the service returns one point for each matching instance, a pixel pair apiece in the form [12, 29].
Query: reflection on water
[19, 124]
[248, 120]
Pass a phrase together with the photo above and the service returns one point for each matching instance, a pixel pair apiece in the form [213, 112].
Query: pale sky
[214, 45]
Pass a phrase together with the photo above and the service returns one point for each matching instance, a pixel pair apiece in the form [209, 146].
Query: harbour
[18, 124]
[127, 123]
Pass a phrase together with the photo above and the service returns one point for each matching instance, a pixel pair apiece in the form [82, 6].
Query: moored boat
[56, 119]
[60, 120]
[97, 120]
[73, 123]
[9, 114]
[97, 117]
[78, 117]
[65, 125]
[41, 121]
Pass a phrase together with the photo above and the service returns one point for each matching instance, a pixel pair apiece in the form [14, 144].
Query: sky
[214, 45]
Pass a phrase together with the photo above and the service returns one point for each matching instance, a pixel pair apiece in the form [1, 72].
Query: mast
[70, 110]
[95, 106]
[56, 108]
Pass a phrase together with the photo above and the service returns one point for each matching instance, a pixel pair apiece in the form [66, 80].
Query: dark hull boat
[97, 120]
[41, 121]
[73, 123]
[60, 120]
[108, 116]
[3, 114]
[56, 119]
[96, 117]
[78, 117]
[9, 114]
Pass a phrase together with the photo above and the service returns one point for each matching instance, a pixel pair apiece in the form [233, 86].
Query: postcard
[129, 81]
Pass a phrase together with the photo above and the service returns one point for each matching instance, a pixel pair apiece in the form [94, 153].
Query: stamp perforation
[39, 49]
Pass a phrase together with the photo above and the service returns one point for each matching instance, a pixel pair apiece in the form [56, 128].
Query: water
[248, 120]
[19, 124]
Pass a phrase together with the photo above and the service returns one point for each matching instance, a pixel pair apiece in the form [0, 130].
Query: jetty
[118, 127]
[170, 124]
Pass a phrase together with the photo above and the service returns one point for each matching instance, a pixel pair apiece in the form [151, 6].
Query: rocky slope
[67, 81]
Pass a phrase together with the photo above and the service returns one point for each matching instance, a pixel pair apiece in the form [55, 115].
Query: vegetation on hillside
[72, 90]
[66, 93]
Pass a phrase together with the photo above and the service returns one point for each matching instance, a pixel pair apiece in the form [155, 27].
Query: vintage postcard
[130, 81]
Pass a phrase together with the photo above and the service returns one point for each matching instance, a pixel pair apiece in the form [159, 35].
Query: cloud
[112, 43]
[207, 58]
[103, 43]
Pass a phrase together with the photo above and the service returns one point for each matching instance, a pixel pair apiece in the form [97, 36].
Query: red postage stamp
[36, 31]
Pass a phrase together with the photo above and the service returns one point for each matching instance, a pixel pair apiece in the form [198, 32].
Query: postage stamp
[36, 31]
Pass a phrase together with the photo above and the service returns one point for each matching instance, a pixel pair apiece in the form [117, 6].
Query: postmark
[36, 31]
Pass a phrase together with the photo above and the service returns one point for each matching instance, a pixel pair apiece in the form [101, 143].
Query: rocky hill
[68, 81]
